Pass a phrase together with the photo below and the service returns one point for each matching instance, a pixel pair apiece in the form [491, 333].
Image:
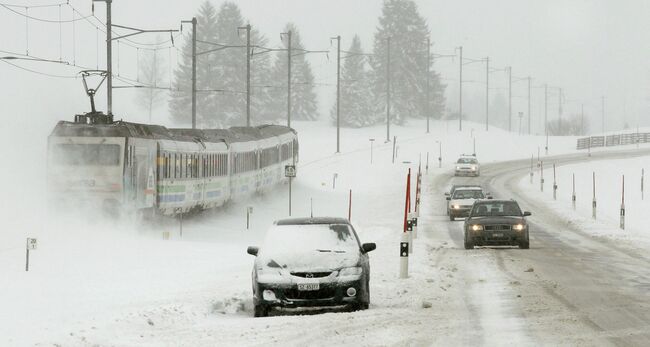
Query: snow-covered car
[461, 201]
[311, 262]
[467, 166]
[496, 222]
[456, 186]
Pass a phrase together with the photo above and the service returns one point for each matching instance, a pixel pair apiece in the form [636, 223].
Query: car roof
[497, 201]
[312, 220]
[468, 188]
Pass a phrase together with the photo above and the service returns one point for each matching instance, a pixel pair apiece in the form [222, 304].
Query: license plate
[308, 286]
[497, 235]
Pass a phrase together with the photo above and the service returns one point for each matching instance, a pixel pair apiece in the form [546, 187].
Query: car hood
[308, 261]
[496, 220]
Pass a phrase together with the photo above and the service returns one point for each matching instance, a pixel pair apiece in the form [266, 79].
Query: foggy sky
[589, 48]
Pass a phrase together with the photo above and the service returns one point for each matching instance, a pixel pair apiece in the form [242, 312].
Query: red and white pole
[404, 240]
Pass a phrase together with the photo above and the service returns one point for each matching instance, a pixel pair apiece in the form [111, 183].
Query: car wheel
[469, 245]
[524, 244]
[261, 311]
[451, 217]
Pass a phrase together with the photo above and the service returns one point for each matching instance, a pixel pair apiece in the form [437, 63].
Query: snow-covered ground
[609, 177]
[98, 282]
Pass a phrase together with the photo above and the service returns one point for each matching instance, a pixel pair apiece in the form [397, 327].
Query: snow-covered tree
[401, 22]
[180, 103]
[355, 107]
[221, 75]
[304, 104]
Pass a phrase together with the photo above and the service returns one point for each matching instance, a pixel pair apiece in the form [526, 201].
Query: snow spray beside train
[121, 166]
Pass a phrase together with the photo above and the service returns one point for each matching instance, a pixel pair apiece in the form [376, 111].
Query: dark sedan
[311, 262]
[496, 223]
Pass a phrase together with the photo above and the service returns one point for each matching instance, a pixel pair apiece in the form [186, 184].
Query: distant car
[456, 186]
[461, 201]
[467, 166]
[311, 262]
[496, 222]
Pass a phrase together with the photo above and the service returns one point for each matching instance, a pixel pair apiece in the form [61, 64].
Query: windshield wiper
[323, 250]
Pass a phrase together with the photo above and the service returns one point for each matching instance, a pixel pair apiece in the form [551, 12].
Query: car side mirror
[252, 250]
[368, 247]
[446, 194]
[448, 198]
[526, 214]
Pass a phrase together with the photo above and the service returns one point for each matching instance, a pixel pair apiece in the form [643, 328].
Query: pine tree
[180, 103]
[408, 32]
[355, 109]
[221, 75]
[304, 104]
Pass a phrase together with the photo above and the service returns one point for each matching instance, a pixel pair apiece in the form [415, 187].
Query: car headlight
[518, 227]
[456, 206]
[351, 271]
[457, 167]
[477, 227]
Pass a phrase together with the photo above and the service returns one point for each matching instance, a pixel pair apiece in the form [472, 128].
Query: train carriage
[122, 166]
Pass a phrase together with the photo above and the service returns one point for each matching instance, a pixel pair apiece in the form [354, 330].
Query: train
[118, 166]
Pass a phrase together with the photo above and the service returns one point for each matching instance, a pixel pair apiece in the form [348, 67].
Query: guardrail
[612, 140]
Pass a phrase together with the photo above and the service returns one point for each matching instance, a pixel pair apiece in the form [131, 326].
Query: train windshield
[86, 154]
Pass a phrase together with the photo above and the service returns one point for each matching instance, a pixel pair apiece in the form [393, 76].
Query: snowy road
[570, 287]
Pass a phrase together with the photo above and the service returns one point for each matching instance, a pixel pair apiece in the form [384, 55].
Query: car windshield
[468, 194]
[328, 245]
[317, 237]
[496, 208]
[467, 161]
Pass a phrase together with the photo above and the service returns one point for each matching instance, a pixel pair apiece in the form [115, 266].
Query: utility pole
[428, 92]
[487, 91]
[338, 93]
[546, 115]
[109, 49]
[288, 78]
[194, 22]
[529, 87]
[510, 98]
[460, 91]
[388, 89]
[109, 58]
[248, 73]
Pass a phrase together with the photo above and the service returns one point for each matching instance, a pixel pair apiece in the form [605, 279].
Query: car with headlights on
[456, 186]
[467, 165]
[311, 262]
[461, 201]
[496, 223]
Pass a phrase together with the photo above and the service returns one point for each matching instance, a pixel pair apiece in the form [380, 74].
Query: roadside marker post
[404, 239]
[334, 177]
[30, 245]
[531, 168]
[573, 195]
[409, 231]
[541, 176]
[249, 212]
[642, 174]
[622, 224]
[394, 143]
[427, 165]
[593, 202]
[554, 184]
[350, 206]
